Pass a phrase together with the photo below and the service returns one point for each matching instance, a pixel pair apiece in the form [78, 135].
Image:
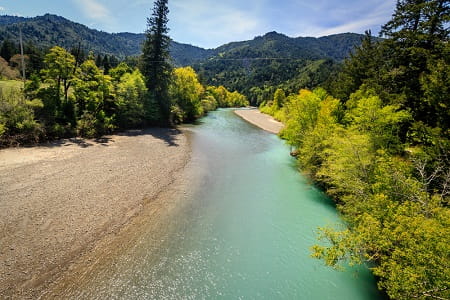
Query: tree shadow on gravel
[168, 135]
[80, 142]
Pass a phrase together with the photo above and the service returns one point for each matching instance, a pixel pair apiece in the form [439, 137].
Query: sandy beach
[259, 119]
[60, 201]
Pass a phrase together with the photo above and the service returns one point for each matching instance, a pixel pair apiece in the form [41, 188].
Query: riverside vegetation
[378, 143]
[375, 136]
[72, 97]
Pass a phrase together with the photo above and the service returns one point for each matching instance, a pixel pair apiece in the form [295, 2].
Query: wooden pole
[21, 53]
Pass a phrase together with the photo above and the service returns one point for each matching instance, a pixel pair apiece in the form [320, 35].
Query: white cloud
[357, 19]
[2, 8]
[94, 10]
[212, 23]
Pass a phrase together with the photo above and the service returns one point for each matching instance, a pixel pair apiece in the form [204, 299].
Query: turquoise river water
[246, 233]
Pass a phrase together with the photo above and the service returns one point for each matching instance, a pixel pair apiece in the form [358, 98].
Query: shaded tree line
[34, 58]
[72, 96]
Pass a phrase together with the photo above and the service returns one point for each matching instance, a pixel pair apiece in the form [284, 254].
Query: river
[245, 234]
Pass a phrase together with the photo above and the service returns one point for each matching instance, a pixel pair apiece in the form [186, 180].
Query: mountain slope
[336, 47]
[258, 66]
[50, 30]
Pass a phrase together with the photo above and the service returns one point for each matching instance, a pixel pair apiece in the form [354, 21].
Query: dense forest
[47, 31]
[378, 143]
[260, 66]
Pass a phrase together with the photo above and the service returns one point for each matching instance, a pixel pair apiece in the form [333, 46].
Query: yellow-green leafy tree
[186, 93]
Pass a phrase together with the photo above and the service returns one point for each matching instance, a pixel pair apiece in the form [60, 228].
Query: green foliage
[273, 107]
[59, 71]
[93, 99]
[131, 95]
[8, 49]
[186, 93]
[17, 123]
[190, 100]
[236, 99]
[301, 113]
[81, 99]
[393, 198]
[225, 98]
[367, 114]
[209, 103]
[436, 90]
[278, 99]
[120, 70]
[386, 162]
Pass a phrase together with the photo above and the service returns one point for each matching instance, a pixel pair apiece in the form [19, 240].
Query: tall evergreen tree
[360, 68]
[155, 59]
[106, 64]
[422, 22]
[113, 61]
[8, 49]
[99, 61]
[418, 36]
[36, 56]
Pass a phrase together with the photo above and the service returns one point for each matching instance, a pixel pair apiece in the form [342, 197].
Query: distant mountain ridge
[50, 30]
[336, 47]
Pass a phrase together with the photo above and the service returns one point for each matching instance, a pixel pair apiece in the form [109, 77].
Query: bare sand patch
[259, 119]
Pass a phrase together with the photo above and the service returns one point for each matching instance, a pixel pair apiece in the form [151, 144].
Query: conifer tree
[420, 21]
[155, 59]
[106, 64]
[8, 49]
[99, 61]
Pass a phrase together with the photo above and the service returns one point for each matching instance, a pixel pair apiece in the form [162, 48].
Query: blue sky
[210, 23]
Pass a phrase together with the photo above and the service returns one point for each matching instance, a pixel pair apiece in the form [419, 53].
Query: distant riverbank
[57, 201]
[260, 120]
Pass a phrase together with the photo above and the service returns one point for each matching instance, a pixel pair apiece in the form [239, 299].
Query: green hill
[50, 30]
[257, 67]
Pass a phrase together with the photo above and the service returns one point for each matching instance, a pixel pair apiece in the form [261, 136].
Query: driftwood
[294, 153]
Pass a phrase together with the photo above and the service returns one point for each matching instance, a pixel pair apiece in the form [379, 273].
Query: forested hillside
[253, 67]
[51, 30]
[256, 67]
